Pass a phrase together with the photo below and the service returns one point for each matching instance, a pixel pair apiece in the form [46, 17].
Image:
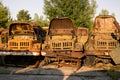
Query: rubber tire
[89, 61]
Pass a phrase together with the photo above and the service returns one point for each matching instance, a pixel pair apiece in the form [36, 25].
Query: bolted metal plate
[115, 55]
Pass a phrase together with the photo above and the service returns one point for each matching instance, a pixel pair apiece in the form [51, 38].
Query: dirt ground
[50, 72]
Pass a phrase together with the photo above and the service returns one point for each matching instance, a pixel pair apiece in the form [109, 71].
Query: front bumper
[50, 53]
[19, 53]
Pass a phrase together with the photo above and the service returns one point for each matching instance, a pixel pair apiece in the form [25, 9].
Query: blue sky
[111, 5]
[33, 6]
[36, 6]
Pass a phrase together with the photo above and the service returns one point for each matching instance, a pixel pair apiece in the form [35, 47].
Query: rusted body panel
[60, 23]
[115, 55]
[102, 40]
[81, 38]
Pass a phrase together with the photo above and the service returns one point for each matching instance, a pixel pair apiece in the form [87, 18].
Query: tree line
[81, 12]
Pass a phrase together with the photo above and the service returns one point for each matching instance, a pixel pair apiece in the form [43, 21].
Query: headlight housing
[91, 48]
[77, 46]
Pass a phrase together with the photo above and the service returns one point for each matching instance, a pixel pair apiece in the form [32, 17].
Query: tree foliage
[80, 11]
[39, 20]
[36, 17]
[4, 15]
[23, 15]
[106, 12]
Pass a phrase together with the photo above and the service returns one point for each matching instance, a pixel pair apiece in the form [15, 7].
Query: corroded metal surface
[22, 36]
[61, 42]
[104, 36]
[115, 55]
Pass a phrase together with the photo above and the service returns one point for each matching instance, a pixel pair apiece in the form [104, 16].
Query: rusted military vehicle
[23, 39]
[102, 40]
[60, 43]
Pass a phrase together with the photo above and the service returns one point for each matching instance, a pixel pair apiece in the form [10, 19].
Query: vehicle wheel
[89, 61]
[42, 63]
[47, 60]
[2, 60]
[78, 64]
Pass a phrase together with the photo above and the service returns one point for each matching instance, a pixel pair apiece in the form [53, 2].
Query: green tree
[113, 14]
[104, 12]
[4, 15]
[36, 17]
[43, 22]
[23, 15]
[80, 11]
[39, 20]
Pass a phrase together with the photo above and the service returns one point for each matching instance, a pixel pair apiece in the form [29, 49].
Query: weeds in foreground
[113, 73]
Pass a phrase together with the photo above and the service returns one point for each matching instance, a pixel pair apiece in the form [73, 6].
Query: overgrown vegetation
[113, 73]
[4, 16]
[23, 15]
[80, 11]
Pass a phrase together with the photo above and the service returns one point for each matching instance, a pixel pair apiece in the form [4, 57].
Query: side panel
[115, 55]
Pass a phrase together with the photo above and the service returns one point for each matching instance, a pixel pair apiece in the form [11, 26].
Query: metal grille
[68, 45]
[19, 45]
[106, 45]
[24, 44]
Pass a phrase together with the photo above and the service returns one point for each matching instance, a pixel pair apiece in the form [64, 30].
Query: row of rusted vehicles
[63, 43]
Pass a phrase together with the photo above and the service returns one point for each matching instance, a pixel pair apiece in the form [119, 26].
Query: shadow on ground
[95, 75]
[63, 73]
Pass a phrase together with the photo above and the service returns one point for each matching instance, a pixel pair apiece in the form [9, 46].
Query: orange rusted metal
[24, 39]
[60, 42]
[102, 39]
[81, 38]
